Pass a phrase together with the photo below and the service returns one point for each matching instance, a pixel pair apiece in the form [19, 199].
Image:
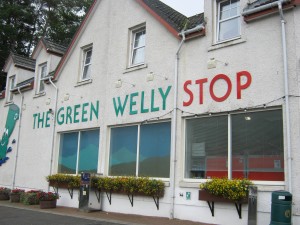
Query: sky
[186, 7]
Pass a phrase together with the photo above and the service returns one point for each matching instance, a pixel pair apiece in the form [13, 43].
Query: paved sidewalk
[104, 216]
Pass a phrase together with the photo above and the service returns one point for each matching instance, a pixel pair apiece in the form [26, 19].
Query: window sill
[37, 95]
[83, 82]
[226, 44]
[8, 103]
[134, 68]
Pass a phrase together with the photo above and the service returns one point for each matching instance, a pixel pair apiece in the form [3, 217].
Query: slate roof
[23, 61]
[53, 47]
[173, 17]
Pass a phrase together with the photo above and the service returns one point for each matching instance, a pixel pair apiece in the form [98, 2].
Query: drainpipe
[18, 136]
[174, 118]
[54, 124]
[286, 85]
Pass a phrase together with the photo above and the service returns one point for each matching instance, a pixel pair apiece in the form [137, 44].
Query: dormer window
[138, 43]
[42, 75]
[228, 26]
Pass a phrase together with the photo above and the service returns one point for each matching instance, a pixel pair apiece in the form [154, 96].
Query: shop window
[257, 146]
[142, 150]
[42, 74]
[11, 85]
[138, 42]
[87, 63]
[79, 152]
[228, 22]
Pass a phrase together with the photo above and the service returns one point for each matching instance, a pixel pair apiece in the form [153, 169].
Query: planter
[15, 197]
[204, 195]
[4, 196]
[48, 204]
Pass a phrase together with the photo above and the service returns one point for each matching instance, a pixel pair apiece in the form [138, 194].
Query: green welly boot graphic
[12, 117]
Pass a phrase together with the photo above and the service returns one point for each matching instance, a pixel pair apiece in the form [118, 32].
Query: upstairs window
[138, 46]
[11, 85]
[87, 63]
[228, 26]
[42, 75]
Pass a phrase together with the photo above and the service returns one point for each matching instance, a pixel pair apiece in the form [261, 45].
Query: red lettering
[240, 86]
[189, 92]
[201, 82]
[211, 87]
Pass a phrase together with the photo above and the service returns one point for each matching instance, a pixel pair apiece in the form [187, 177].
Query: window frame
[230, 147]
[85, 51]
[133, 33]
[42, 75]
[218, 14]
[138, 150]
[11, 86]
[79, 132]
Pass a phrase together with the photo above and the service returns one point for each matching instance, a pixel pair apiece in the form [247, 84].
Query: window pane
[88, 151]
[140, 39]
[123, 147]
[206, 147]
[257, 142]
[86, 72]
[154, 156]
[138, 56]
[88, 57]
[68, 153]
[229, 29]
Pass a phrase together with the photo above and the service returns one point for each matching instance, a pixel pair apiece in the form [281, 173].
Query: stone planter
[48, 204]
[15, 197]
[4, 196]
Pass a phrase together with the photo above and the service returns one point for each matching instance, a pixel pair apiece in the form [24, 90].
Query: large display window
[79, 152]
[140, 150]
[247, 145]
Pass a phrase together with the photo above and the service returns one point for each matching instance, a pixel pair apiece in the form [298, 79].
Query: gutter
[183, 34]
[19, 133]
[286, 76]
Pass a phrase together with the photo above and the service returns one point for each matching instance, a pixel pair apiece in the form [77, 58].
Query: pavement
[118, 218]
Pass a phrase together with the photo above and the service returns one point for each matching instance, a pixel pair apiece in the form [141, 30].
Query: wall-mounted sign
[79, 113]
[243, 81]
[136, 102]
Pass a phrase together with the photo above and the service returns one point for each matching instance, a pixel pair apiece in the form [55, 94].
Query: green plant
[235, 189]
[70, 181]
[47, 196]
[30, 197]
[4, 190]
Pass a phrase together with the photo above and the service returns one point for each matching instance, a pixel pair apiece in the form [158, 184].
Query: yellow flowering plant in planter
[235, 189]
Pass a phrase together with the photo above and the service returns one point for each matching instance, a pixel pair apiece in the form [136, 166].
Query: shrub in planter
[64, 180]
[235, 190]
[4, 193]
[15, 194]
[30, 197]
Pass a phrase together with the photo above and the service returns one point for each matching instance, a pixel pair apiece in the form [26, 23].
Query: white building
[144, 91]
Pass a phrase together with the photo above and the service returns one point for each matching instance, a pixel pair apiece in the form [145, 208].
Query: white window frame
[11, 85]
[224, 20]
[87, 76]
[42, 74]
[133, 33]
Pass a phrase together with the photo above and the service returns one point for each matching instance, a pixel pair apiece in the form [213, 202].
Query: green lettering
[143, 109]
[60, 118]
[133, 103]
[153, 108]
[48, 118]
[69, 115]
[76, 113]
[84, 112]
[94, 111]
[164, 95]
[41, 120]
[120, 108]
[34, 120]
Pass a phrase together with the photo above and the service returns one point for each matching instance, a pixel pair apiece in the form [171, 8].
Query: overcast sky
[186, 7]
